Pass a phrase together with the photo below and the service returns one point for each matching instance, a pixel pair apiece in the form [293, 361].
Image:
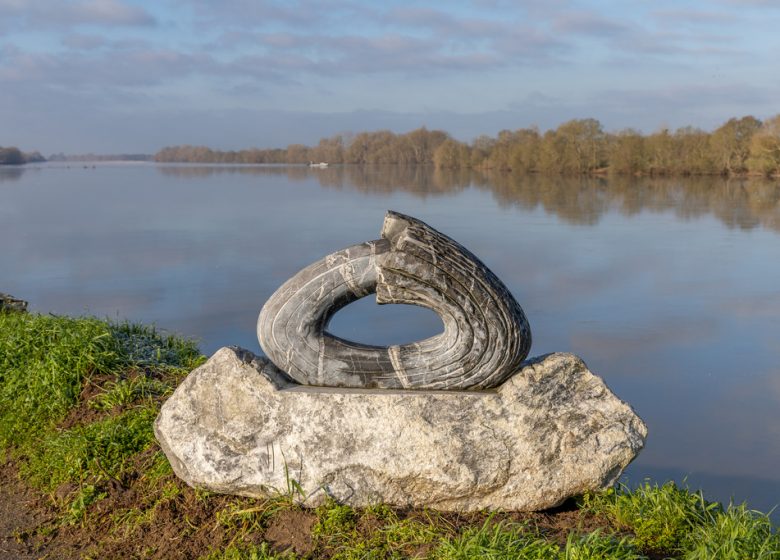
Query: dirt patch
[21, 512]
[555, 524]
[82, 414]
[292, 530]
[156, 516]
[85, 413]
[147, 512]
[558, 523]
[168, 520]
[368, 523]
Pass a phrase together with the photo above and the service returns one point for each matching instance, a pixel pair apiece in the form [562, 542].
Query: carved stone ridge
[486, 334]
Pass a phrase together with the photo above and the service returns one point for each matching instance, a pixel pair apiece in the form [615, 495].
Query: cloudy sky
[135, 75]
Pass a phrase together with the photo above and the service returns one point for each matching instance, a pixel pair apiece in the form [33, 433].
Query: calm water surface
[668, 289]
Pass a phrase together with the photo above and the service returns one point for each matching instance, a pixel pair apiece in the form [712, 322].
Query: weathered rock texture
[486, 334]
[10, 303]
[237, 425]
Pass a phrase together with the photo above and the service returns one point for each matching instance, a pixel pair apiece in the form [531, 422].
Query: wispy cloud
[482, 60]
[134, 67]
[266, 14]
[36, 14]
[696, 17]
[82, 41]
[763, 4]
[589, 23]
[103, 12]
[413, 41]
[443, 23]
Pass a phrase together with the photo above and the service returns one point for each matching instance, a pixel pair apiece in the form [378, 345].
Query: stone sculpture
[455, 422]
[10, 303]
[486, 334]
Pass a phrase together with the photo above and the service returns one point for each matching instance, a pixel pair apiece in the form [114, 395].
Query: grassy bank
[77, 400]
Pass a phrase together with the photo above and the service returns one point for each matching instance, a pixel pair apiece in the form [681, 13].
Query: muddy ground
[188, 526]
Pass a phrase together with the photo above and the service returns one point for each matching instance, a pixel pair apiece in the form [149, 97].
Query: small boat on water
[320, 164]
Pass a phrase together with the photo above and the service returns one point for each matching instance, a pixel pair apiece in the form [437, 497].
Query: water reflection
[394, 324]
[738, 203]
[667, 288]
[10, 173]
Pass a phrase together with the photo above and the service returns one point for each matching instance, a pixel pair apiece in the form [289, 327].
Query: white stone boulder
[237, 425]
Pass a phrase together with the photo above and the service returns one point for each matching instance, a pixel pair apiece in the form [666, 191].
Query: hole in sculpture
[366, 322]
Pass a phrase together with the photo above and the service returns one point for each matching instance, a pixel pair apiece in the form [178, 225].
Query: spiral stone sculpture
[486, 334]
[318, 410]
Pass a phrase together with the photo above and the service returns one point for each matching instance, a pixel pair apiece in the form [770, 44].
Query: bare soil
[132, 521]
[188, 526]
[21, 513]
[291, 530]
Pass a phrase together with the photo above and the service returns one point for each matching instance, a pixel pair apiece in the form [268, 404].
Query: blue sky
[134, 76]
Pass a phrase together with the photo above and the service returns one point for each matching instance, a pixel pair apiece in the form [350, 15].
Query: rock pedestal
[456, 422]
[10, 303]
[239, 425]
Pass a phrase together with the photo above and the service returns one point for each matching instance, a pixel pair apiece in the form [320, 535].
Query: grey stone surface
[486, 334]
[552, 430]
[10, 303]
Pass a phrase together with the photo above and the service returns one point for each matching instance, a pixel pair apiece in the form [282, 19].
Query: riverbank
[83, 477]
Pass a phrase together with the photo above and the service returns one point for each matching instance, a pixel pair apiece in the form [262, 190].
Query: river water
[668, 289]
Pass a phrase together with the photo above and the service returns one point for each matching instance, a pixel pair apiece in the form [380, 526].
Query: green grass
[659, 516]
[43, 362]
[82, 447]
[497, 541]
[144, 345]
[96, 452]
[375, 532]
[680, 522]
[46, 361]
[247, 552]
[79, 503]
[411, 533]
[128, 391]
[595, 546]
[334, 520]
[500, 541]
[734, 533]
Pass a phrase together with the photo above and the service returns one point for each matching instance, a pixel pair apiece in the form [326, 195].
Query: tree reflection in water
[736, 202]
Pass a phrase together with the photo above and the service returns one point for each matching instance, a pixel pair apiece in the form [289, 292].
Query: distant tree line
[577, 147]
[415, 147]
[14, 156]
[581, 146]
[100, 157]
